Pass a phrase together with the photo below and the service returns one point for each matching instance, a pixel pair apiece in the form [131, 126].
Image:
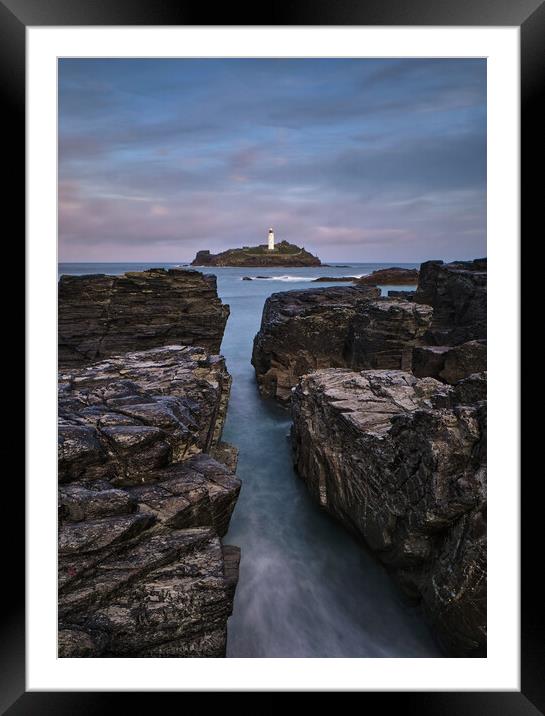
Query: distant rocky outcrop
[335, 279]
[100, 315]
[394, 276]
[346, 327]
[143, 504]
[284, 255]
[401, 462]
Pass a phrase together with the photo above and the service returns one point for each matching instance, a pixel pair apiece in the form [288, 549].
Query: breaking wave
[283, 278]
[296, 279]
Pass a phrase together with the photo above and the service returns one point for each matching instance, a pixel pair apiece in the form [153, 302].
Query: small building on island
[271, 240]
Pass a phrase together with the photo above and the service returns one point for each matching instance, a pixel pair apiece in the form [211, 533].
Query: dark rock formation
[103, 315]
[403, 295]
[383, 333]
[394, 276]
[457, 293]
[401, 462]
[333, 327]
[335, 279]
[142, 507]
[450, 363]
[124, 416]
[303, 330]
[284, 255]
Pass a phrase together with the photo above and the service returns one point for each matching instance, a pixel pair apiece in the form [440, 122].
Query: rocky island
[146, 486]
[283, 255]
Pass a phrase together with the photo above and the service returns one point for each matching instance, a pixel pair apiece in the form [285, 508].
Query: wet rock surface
[103, 315]
[401, 462]
[142, 506]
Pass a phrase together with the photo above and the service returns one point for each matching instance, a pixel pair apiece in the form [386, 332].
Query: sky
[354, 159]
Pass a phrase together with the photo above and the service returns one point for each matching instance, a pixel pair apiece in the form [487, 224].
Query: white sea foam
[282, 278]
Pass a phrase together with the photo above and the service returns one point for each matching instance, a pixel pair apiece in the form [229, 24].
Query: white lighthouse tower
[271, 240]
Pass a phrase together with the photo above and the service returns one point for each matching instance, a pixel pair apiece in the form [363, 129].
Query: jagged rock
[403, 295]
[142, 507]
[394, 276]
[99, 315]
[351, 327]
[457, 293]
[225, 453]
[163, 592]
[400, 461]
[121, 418]
[303, 330]
[450, 363]
[382, 334]
[464, 360]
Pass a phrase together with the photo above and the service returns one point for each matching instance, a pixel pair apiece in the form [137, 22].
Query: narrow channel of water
[306, 588]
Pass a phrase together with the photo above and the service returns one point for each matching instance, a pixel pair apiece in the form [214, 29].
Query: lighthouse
[271, 240]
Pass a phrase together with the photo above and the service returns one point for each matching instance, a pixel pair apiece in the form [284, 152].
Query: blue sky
[355, 159]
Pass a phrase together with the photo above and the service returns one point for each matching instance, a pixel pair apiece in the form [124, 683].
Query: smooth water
[307, 588]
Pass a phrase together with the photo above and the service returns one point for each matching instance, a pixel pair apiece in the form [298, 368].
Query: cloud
[164, 157]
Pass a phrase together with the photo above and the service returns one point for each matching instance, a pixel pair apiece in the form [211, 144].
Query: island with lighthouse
[270, 254]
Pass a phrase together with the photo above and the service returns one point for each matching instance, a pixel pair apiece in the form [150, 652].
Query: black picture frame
[15, 16]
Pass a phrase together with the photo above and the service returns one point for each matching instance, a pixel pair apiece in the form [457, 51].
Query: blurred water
[306, 587]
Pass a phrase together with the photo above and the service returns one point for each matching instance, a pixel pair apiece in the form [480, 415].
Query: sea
[307, 588]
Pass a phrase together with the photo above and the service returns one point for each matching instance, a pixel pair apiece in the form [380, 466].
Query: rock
[401, 462]
[457, 293]
[383, 332]
[142, 507]
[284, 255]
[335, 279]
[349, 327]
[303, 330]
[450, 363]
[247, 278]
[162, 593]
[124, 417]
[225, 453]
[394, 276]
[103, 315]
[403, 295]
